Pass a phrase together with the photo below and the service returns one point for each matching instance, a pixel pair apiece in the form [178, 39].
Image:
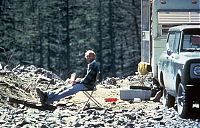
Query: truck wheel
[168, 100]
[184, 104]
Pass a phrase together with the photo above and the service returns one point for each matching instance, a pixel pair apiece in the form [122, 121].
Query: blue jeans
[64, 92]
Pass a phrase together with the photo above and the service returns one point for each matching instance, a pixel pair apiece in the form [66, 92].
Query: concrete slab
[130, 94]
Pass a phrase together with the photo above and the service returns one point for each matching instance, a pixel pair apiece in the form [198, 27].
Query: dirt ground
[13, 86]
[111, 91]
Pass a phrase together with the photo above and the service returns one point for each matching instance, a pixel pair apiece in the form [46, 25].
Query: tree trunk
[111, 35]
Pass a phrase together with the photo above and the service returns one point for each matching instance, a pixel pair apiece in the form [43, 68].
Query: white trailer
[157, 17]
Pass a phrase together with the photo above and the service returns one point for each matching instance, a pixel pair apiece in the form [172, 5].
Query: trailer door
[145, 36]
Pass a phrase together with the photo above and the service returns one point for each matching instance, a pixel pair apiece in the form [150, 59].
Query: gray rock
[2, 121]
[22, 123]
[44, 126]
[158, 118]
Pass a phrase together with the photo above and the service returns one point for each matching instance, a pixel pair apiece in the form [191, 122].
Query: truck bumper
[193, 92]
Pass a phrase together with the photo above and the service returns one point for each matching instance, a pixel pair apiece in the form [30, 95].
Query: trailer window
[167, 19]
[164, 29]
[178, 17]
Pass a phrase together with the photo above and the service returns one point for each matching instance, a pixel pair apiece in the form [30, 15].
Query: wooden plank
[31, 104]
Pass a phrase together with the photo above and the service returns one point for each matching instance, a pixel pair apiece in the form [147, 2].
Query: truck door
[169, 59]
[172, 60]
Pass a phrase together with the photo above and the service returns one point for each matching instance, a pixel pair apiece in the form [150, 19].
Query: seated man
[88, 82]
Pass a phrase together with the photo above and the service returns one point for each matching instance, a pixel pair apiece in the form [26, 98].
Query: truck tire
[184, 104]
[168, 100]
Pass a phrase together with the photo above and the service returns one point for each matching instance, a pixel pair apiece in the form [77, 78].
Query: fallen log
[31, 104]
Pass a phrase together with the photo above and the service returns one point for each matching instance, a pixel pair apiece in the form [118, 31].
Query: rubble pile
[21, 81]
[145, 115]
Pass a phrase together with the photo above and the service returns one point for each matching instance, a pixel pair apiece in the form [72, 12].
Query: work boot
[157, 96]
[42, 96]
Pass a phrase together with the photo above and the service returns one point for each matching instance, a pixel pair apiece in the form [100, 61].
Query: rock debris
[20, 83]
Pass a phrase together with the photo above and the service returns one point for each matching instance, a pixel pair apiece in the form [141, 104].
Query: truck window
[171, 39]
[195, 40]
[176, 42]
[186, 42]
[191, 40]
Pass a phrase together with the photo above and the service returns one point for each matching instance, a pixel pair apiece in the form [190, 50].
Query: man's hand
[69, 81]
[78, 80]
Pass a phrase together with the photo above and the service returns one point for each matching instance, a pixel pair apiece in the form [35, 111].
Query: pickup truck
[179, 69]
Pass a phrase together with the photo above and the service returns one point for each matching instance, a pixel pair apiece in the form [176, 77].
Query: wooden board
[31, 104]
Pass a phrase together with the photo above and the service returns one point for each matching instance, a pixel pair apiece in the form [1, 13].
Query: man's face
[89, 57]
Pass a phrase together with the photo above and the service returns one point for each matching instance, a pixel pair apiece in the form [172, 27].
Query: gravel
[128, 114]
[143, 116]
